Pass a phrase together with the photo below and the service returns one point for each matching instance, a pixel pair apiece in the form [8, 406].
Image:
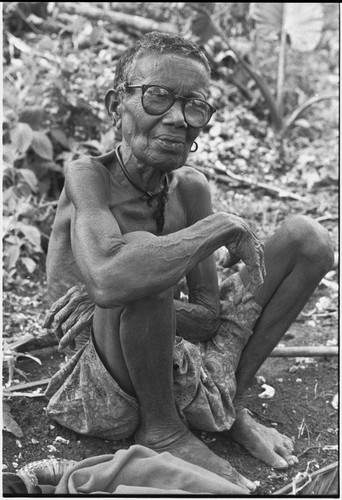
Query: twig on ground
[306, 450]
[28, 385]
[122, 19]
[225, 179]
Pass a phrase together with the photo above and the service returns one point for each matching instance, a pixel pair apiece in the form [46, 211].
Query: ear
[112, 101]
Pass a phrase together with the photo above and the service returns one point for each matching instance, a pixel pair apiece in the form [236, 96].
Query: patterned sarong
[86, 398]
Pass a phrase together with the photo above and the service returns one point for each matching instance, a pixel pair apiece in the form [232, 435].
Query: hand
[69, 315]
[246, 246]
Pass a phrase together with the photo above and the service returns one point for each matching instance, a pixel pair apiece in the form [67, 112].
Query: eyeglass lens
[157, 100]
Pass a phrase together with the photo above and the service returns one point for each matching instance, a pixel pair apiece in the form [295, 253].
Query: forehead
[182, 73]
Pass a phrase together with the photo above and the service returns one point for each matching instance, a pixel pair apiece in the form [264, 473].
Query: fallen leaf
[8, 422]
[330, 447]
[51, 448]
[334, 402]
[268, 393]
[59, 439]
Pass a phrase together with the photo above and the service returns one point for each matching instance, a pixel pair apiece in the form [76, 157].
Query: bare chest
[134, 212]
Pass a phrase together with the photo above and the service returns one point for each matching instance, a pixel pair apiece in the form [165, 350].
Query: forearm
[143, 264]
[194, 322]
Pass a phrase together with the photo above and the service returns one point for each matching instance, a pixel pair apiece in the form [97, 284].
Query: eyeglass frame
[184, 100]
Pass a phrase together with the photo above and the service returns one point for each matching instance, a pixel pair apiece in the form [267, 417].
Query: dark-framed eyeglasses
[156, 100]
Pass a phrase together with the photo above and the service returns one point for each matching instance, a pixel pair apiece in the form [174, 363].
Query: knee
[157, 302]
[310, 241]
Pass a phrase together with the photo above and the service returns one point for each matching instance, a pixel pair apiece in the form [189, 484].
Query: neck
[145, 178]
[160, 196]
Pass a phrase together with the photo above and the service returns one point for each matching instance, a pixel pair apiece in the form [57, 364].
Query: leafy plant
[300, 24]
[21, 237]
[11, 356]
[28, 154]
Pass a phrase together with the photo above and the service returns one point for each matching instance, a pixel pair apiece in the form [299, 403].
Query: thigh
[300, 243]
[279, 260]
[106, 336]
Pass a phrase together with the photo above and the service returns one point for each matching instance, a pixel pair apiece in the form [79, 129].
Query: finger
[65, 341]
[230, 259]
[58, 331]
[58, 305]
[48, 318]
[73, 307]
[70, 336]
[62, 316]
[83, 315]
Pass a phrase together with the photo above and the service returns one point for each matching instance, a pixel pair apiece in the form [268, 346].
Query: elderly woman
[129, 226]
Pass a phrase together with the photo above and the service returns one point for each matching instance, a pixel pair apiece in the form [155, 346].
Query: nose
[175, 115]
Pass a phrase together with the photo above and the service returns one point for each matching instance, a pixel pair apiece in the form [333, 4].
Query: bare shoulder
[191, 181]
[86, 166]
[194, 189]
[87, 178]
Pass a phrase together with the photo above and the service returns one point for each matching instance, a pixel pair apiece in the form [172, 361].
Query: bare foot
[186, 446]
[262, 442]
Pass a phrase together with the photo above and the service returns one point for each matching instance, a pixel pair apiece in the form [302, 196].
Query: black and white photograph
[170, 249]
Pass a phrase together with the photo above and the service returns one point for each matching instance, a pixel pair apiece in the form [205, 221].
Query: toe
[279, 463]
[286, 455]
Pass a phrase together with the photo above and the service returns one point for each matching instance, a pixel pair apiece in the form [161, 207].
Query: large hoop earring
[196, 147]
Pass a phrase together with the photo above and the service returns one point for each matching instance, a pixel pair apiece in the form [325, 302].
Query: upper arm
[94, 233]
[202, 280]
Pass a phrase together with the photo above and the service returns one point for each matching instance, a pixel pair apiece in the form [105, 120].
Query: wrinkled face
[162, 142]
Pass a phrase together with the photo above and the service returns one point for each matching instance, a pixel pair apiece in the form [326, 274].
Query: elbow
[104, 294]
[101, 297]
[210, 326]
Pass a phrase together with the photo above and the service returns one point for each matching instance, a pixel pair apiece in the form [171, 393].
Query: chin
[172, 162]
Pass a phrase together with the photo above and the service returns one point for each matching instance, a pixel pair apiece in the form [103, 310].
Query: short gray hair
[156, 43]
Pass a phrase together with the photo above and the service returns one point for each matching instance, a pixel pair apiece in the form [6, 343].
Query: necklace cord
[161, 196]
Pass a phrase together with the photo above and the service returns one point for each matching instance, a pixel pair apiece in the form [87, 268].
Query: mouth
[170, 142]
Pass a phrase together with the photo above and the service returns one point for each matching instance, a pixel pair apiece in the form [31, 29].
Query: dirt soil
[301, 407]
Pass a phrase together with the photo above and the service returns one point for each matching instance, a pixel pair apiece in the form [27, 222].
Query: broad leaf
[267, 16]
[60, 137]
[302, 22]
[30, 179]
[21, 137]
[29, 264]
[31, 233]
[12, 254]
[33, 115]
[41, 145]
[202, 26]
[9, 153]
[8, 422]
